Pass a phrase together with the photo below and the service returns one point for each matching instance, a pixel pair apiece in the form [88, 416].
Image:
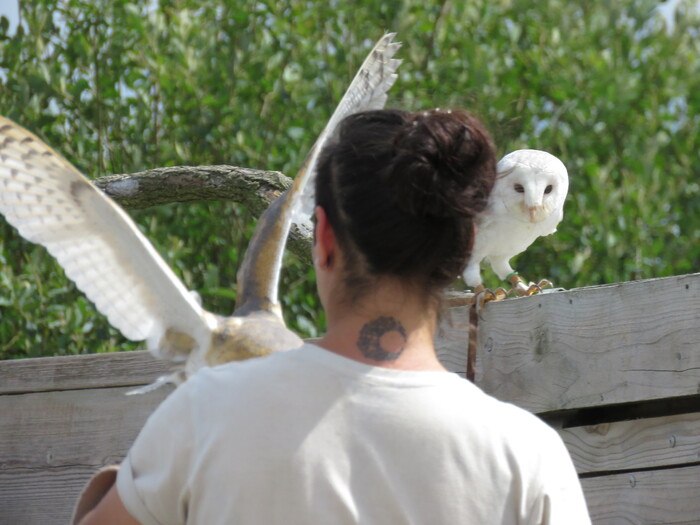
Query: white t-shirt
[310, 437]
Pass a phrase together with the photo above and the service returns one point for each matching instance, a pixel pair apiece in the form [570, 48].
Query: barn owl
[527, 202]
[100, 248]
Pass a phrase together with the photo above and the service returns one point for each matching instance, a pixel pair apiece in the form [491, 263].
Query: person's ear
[325, 243]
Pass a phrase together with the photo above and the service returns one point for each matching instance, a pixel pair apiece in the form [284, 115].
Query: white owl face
[531, 185]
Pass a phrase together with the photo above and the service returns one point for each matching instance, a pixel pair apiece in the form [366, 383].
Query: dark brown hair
[402, 190]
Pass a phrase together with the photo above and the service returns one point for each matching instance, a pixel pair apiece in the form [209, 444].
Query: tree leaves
[120, 86]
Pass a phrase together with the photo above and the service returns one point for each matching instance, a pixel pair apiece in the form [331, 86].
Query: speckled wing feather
[367, 91]
[96, 243]
[259, 274]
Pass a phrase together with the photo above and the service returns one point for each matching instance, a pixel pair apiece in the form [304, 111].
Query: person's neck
[389, 327]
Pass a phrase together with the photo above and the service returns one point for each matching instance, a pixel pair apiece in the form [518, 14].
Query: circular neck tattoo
[382, 339]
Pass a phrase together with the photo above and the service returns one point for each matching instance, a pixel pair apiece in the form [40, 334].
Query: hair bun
[440, 156]
[401, 191]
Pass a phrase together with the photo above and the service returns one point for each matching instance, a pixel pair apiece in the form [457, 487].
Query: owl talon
[523, 290]
[533, 289]
[500, 293]
[545, 283]
[484, 295]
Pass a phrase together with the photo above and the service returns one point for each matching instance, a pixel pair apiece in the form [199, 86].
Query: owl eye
[549, 189]
[519, 188]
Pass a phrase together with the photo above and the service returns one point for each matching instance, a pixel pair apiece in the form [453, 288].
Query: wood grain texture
[638, 444]
[669, 496]
[452, 339]
[52, 442]
[88, 427]
[80, 371]
[593, 346]
[41, 496]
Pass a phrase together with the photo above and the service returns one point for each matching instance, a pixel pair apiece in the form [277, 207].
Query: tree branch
[255, 189]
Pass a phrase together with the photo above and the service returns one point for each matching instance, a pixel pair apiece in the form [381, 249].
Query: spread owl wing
[259, 273]
[367, 91]
[100, 248]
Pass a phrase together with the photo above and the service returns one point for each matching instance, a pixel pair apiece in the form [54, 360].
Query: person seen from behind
[364, 426]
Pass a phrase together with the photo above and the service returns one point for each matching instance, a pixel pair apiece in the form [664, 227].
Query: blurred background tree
[119, 86]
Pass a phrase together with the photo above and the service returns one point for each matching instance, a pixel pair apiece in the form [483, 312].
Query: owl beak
[533, 213]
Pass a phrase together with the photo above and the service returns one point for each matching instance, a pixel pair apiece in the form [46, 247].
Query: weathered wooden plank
[669, 496]
[593, 346]
[51, 442]
[63, 428]
[635, 445]
[80, 371]
[452, 339]
[41, 496]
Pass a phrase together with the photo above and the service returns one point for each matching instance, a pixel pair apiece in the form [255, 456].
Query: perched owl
[527, 202]
[105, 254]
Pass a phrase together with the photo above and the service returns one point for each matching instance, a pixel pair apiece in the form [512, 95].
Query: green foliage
[118, 86]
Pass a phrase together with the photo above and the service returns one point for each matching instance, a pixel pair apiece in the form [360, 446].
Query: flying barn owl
[51, 203]
[527, 202]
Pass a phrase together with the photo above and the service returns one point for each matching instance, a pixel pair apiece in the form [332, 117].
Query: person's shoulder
[514, 415]
[249, 371]
[528, 439]
[500, 416]
[516, 418]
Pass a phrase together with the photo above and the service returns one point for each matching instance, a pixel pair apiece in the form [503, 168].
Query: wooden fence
[616, 369]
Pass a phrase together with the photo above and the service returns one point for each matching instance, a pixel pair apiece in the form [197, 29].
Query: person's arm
[99, 501]
[109, 511]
